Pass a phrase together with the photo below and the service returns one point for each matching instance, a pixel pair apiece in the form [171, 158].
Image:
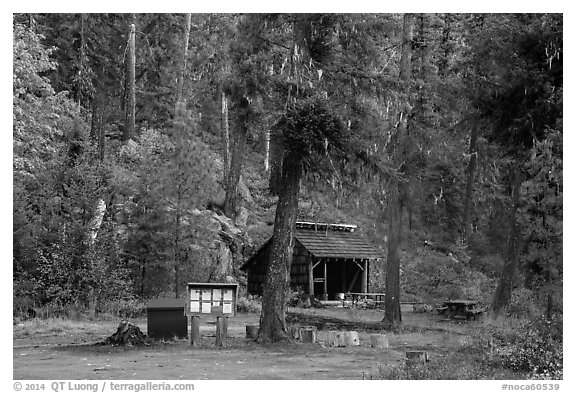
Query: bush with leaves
[537, 349]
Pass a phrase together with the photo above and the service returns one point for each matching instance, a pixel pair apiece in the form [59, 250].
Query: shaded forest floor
[66, 350]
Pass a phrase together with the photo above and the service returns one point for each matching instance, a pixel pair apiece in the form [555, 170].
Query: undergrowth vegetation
[508, 348]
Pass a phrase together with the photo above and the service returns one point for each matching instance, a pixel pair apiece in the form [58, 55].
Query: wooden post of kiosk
[220, 336]
[195, 330]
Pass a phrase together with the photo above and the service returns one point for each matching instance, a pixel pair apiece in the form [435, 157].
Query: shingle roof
[329, 241]
[323, 243]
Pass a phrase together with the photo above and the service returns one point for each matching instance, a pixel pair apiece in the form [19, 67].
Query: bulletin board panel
[211, 299]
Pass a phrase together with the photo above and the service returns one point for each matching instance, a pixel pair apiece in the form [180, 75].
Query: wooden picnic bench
[460, 309]
[369, 300]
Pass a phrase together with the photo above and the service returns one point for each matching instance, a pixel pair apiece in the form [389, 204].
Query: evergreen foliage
[479, 157]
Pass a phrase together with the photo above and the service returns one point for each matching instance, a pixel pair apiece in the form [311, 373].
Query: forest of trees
[433, 130]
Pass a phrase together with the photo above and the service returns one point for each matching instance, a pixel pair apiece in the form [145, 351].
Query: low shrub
[523, 303]
[537, 349]
[125, 308]
[246, 305]
[459, 365]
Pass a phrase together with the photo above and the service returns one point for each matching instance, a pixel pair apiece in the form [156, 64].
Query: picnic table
[460, 309]
[369, 300]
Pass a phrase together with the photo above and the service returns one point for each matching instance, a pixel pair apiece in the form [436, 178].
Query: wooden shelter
[328, 259]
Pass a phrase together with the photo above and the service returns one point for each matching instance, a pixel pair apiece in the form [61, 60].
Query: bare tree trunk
[101, 142]
[504, 289]
[267, 151]
[445, 44]
[97, 132]
[273, 318]
[470, 174]
[130, 125]
[96, 221]
[82, 57]
[276, 158]
[176, 251]
[182, 70]
[237, 159]
[392, 313]
[225, 126]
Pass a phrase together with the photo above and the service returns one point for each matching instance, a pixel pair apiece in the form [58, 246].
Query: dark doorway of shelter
[335, 277]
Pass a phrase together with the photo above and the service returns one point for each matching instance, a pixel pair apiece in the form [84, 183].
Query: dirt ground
[71, 354]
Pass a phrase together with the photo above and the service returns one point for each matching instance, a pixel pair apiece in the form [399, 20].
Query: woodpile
[127, 334]
[336, 339]
[379, 341]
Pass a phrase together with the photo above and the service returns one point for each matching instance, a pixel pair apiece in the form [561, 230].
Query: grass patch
[60, 326]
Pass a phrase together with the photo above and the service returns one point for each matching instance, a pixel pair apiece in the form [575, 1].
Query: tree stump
[294, 331]
[336, 339]
[252, 331]
[379, 341]
[351, 338]
[127, 334]
[308, 334]
[414, 357]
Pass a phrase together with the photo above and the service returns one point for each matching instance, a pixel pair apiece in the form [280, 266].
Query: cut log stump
[379, 341]
[351, 338]
[414, 357]
[343, 339]
[252, 331]
[308, 334]
[336, 339]
[294, 331]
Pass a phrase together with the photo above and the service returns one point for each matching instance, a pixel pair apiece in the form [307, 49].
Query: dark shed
[166, 318]
[328, 259]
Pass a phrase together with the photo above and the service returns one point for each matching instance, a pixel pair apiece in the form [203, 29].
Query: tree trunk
[392, 314]
[267, 151]
[96, 221]
[237, 159]
[130, 125]
[504, 289]
[445, 44]
[470, 174]
[182, 70]
[225, 138]
[276, 158]
[273, 317]
[176, 252]
[97, 132]
[96, 120]
[81, 61]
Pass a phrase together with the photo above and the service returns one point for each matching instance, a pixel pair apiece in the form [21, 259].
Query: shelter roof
[340, 243]
[330, 241]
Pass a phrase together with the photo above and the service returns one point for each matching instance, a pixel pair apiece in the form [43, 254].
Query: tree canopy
[439, 132]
